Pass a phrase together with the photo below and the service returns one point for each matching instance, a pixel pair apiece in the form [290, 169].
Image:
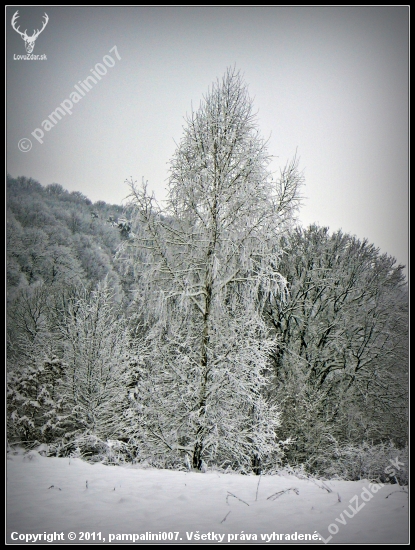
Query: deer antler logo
[29, 40]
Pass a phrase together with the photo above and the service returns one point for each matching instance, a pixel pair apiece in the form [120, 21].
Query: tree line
[212, 331]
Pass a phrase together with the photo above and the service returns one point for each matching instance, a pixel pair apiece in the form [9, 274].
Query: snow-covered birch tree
[205, 265]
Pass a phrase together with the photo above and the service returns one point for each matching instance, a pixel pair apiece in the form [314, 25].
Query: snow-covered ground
[59, 498]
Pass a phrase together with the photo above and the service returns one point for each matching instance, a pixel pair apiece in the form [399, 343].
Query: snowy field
[59, 498]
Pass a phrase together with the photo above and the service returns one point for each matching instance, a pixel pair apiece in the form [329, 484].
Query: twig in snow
[224, 519]
[339, 498]
[237, 498]
[308, 478]
[323, 486]
[326, 487]
[257, 487]
[397, 492]
[276, 495]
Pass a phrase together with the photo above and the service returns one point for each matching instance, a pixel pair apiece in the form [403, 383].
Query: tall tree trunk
[256, 465]
[200, 432]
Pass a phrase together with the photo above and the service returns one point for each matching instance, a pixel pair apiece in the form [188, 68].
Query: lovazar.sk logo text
[29, 40]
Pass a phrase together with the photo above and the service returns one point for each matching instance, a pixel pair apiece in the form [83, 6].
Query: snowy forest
[209, 330]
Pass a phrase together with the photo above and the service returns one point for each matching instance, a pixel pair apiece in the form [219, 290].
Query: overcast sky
[328, 82]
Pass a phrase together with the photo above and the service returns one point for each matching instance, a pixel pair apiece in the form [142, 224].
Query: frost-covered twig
[257, 487]
[326, 487]
[224, 519]
[276, 495]
[232, 495]
[308, 478]
[397, 492]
